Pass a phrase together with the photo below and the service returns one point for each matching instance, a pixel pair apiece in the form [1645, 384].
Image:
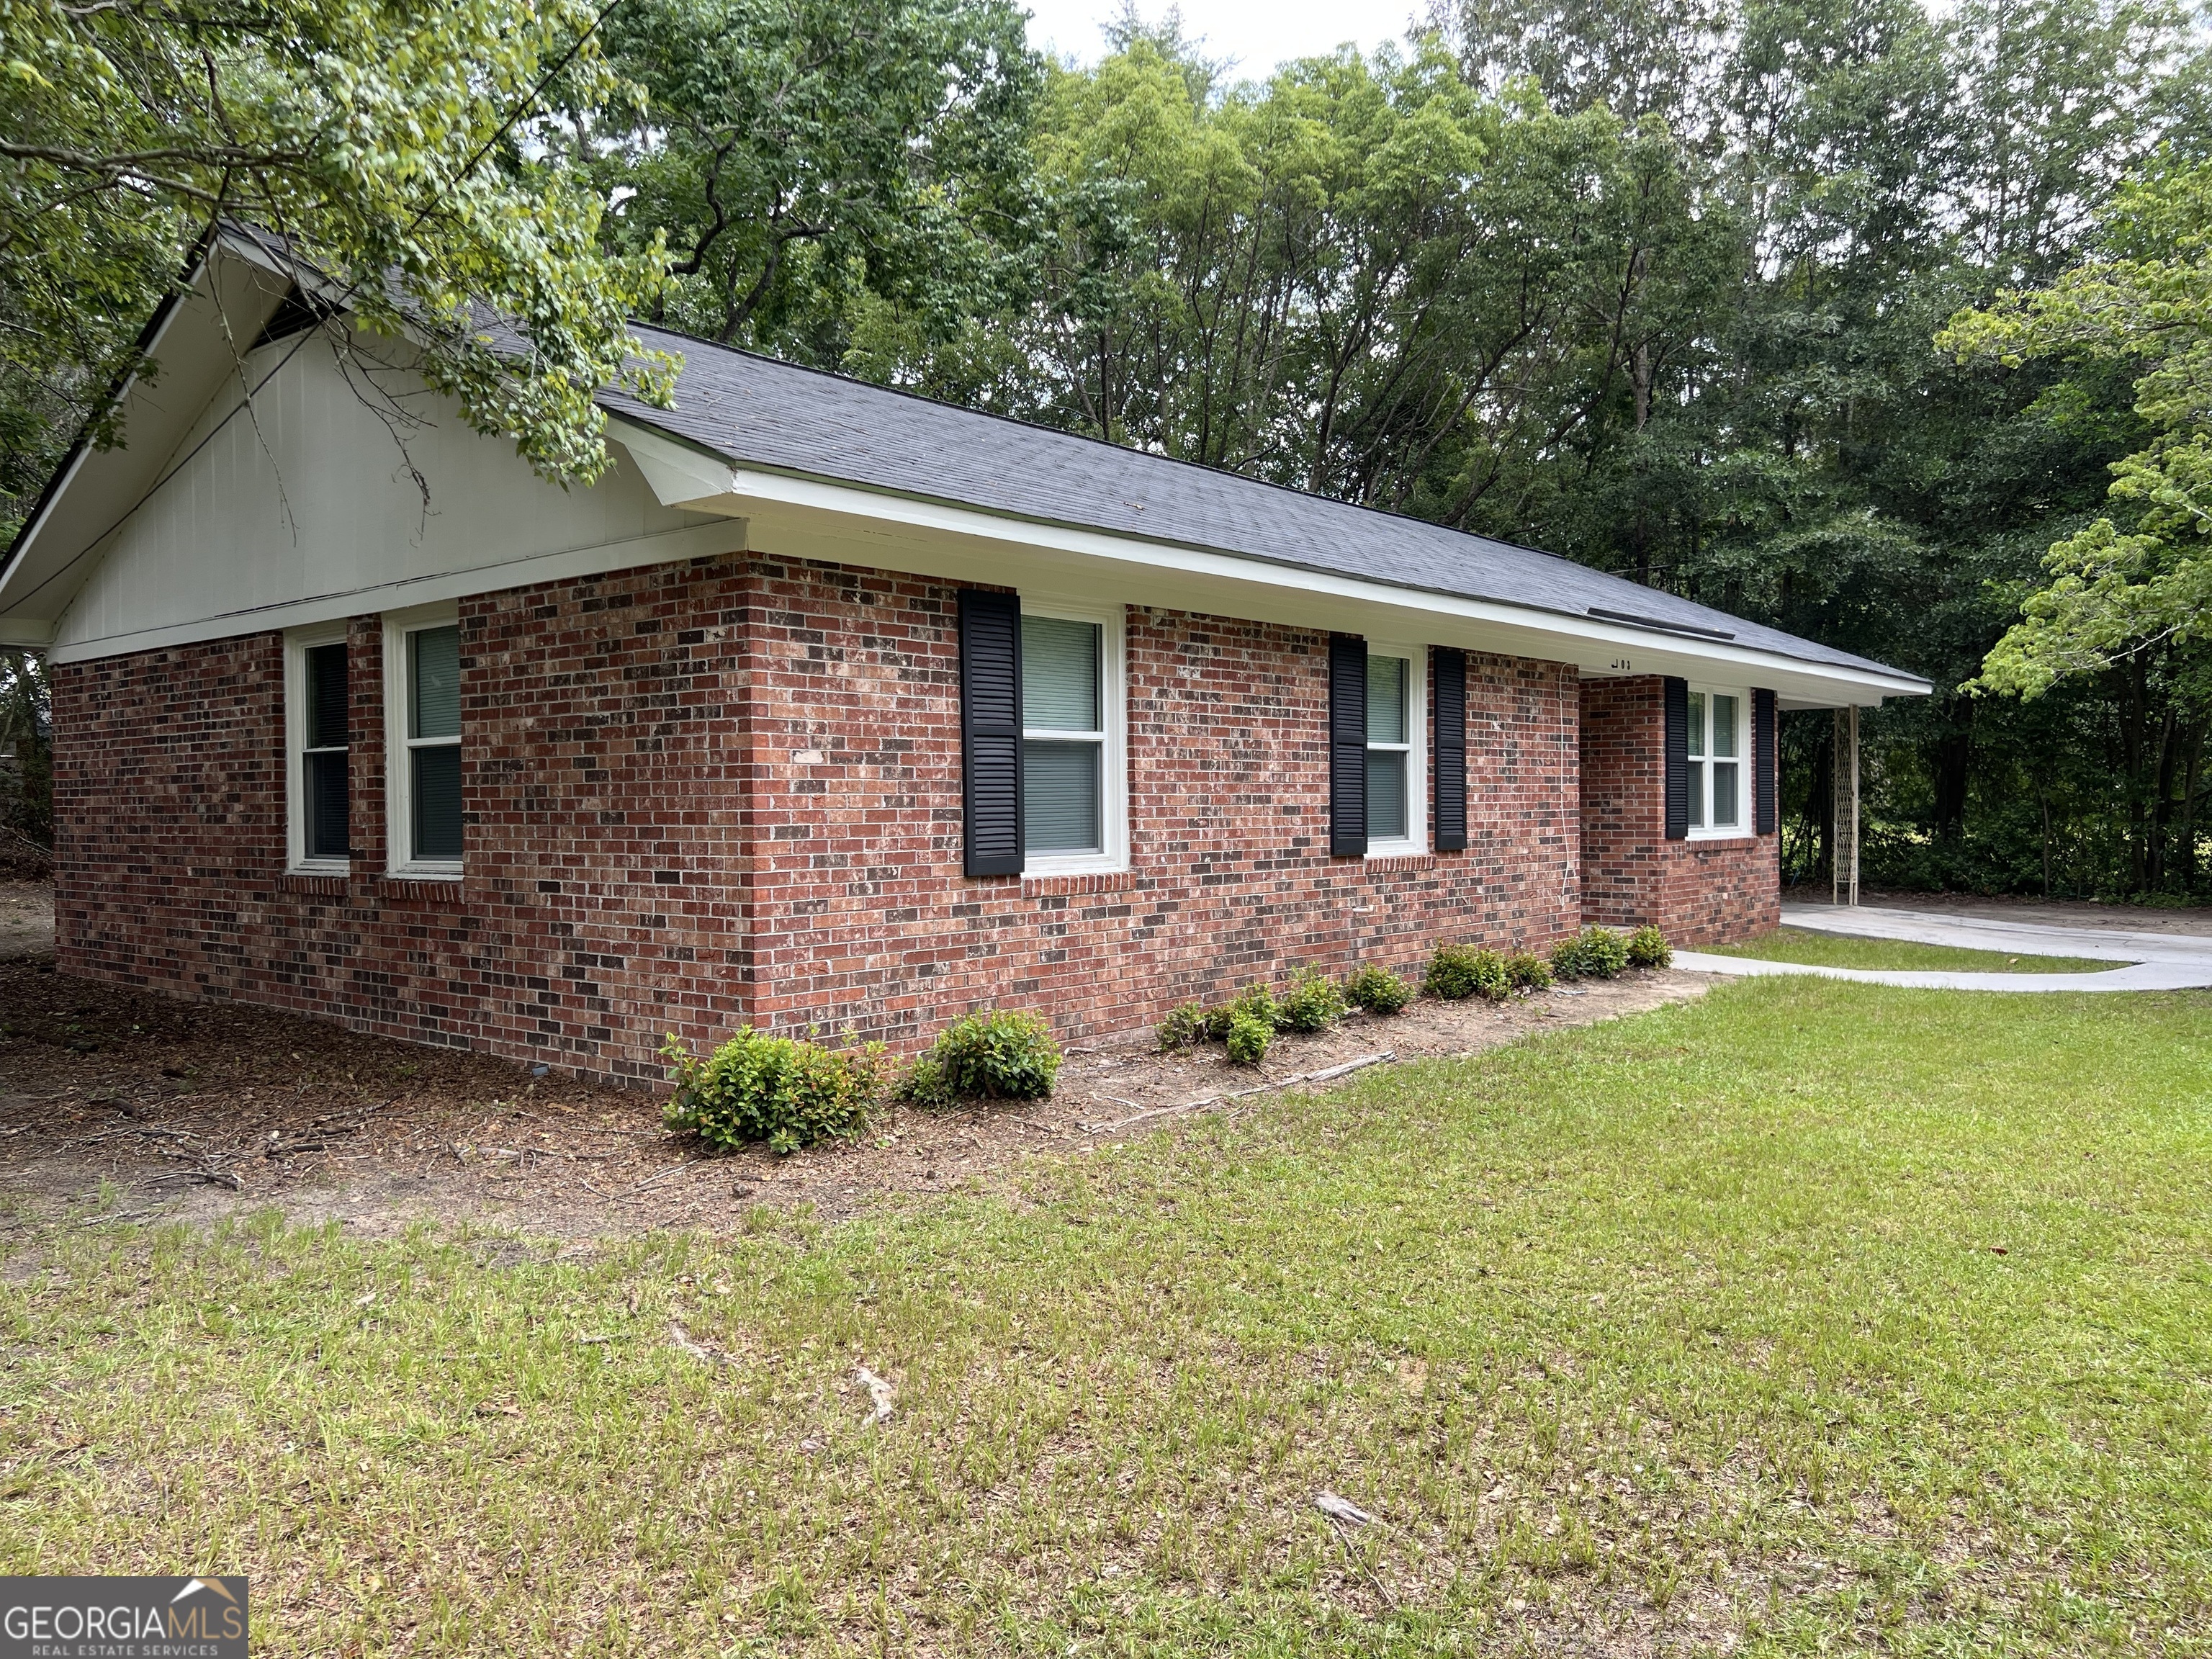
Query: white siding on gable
[306, 499]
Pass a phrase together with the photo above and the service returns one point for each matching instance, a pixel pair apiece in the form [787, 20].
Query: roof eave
[686, 473]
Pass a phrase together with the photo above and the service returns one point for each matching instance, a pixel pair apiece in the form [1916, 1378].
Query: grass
[1839, 950]
[1810, 1317]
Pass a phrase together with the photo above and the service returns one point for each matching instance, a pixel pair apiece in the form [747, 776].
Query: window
[1717, 746]
[422, 677]
[1073, 791]
[320, 791]
[1395, 791]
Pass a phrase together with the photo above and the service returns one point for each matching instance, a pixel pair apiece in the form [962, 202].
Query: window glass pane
[327, 801]
[1724, 792]
[1386, 700]
[326, 695]
[433, 700]
[1697, 795]
[1725, 726]
[1060, 674]
[437, 801]
[1061, 797]
[1697, 723]
[1386, 794]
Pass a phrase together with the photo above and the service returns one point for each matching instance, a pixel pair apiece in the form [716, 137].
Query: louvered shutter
[1677, 701]
[1451, 750]
[1347, 746]
[991, 730]
[1762, 763]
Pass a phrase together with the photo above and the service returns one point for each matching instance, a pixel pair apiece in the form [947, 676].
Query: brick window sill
[1109, 881]
[430, 889]
[1400, 864]
[313, 886]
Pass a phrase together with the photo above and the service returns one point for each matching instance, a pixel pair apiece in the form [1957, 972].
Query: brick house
[828, 706]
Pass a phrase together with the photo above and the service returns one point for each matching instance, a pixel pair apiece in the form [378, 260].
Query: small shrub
[1003, 1054]
[786, 1092]
[923, 1083]
[1459, 971]
[1648, 948]
[1247, 1039]
[1312, 1004]
[1593, 953]
[1182, 1027]
[1376, 989]
[1527, 971]
[1255, 1002]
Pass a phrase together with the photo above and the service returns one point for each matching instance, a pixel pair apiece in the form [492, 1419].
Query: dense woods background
[1656, 284]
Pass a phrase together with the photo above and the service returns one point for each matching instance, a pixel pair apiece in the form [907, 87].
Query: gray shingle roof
[757, 411]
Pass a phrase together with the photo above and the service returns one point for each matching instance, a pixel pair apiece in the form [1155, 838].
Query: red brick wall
[1700, 892]
[650, 845]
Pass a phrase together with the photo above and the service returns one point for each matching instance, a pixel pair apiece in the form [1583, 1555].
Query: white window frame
[1416, 838]
[297, 643]
[1701, 780]
[398, 775]
[1114, 766]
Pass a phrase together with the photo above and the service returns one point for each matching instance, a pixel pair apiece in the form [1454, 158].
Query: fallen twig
[711, 1353]
[655, 1180]
[1342, 1509]
[1322, 1076]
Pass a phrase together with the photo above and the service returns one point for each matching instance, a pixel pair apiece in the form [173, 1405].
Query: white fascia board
[950, 541]
[701, 541]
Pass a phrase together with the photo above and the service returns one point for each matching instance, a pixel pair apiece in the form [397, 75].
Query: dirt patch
[202, 1109]
[26, 920]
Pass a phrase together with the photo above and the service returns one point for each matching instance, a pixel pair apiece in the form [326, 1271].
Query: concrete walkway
[2156, 961]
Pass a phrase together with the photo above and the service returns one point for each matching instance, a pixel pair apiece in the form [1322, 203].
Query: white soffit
[814, 518]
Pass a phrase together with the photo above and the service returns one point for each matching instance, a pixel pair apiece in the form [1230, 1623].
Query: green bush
[1593, 953]
[1456, 972]
[1527, 971]
[1002, 1053]
[786, 1092]
[1312, 1004]
[1376, 989]
[1182, 1027]
[1648, 948]
[923, 1083]
[1255, 1002]
[1247, 1039]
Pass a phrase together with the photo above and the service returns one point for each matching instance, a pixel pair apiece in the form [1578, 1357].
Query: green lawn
[1812, 1317]
[1835, 950]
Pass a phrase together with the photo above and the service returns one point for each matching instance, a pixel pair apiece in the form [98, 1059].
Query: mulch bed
[201, 1110]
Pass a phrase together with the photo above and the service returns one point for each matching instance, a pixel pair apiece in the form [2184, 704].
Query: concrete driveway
[2142, 961]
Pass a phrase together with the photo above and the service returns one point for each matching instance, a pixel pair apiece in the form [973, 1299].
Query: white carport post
[1844, 864]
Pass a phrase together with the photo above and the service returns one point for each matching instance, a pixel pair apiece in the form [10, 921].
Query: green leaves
[385, 142]
[2144, 577]
[801, 158]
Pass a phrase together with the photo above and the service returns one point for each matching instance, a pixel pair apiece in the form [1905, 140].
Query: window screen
[1064, 736]
[1388, 729]
[433, 742]
[327, 796]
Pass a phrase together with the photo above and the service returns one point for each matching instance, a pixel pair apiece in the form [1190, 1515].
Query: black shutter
[1347, 746]
[1677, 699]
[1762, 763]
[1451, 750]
[991, 730]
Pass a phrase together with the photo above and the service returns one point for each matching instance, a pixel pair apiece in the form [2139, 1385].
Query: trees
[800, 157]
[2142, 574]
[382, 137]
